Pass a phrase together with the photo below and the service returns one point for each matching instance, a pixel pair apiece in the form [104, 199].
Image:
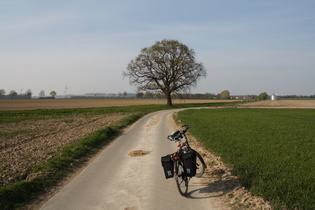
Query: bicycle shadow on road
[207, 187]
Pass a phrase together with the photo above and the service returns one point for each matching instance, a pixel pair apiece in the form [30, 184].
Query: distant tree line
[27, 95]
[265, 96]
[225, 94]
[298, 97]
[149, 95]
[13, 94]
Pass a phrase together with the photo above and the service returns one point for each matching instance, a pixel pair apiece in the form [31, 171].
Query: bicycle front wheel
[181, 179]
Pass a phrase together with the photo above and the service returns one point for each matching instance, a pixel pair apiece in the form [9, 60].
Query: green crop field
[271, 150]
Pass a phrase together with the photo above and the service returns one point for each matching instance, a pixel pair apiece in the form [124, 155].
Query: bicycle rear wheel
[200, 164]
[181, 179]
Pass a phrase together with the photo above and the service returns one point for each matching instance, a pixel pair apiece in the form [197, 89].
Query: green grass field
[271, 150]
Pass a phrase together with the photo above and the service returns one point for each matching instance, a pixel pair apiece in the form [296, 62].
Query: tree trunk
[169, 99]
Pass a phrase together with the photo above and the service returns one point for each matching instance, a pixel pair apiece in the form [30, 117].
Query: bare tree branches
[167, 66]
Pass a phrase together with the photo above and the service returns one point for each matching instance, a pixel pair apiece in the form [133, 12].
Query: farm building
[274, 97]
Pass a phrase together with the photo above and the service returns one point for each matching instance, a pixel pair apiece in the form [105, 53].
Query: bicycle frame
[176, 161]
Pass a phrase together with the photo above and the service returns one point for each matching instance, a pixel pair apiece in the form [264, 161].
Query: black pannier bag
[168, 165]
[189, 160]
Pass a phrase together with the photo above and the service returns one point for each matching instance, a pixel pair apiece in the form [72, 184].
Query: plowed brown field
[23, 145]
[17, 104]
[293, 104]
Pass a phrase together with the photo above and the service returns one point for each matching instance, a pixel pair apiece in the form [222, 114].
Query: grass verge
[272, 151]
[47, 174]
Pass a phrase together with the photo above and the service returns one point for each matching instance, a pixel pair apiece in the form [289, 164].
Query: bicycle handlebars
[177, 135]
[186, 126]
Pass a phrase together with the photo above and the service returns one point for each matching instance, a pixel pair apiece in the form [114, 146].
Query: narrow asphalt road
[116, 180]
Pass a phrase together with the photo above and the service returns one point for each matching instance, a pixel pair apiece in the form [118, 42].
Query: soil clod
[137, 153]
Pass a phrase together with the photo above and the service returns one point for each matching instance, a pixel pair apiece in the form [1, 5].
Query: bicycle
[183, 164]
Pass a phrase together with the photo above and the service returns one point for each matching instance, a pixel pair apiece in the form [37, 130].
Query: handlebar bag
[176, 135]
[190, 164]
[168, 165]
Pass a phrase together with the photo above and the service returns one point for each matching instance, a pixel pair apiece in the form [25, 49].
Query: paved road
[115, 180]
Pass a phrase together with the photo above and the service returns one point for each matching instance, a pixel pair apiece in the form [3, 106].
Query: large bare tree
[168, 66]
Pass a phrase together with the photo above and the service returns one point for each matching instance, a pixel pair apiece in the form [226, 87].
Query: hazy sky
[247, 46]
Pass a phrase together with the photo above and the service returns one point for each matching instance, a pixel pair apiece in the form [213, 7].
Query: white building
[274, 97]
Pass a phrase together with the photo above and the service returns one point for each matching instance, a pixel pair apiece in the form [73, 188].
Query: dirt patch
[26, 144]
[137, 153]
